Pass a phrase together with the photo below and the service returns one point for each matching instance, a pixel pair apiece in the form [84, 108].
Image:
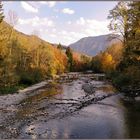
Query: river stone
[88, 88]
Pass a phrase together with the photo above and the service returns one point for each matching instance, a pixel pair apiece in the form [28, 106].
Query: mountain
[27, 41]
[93, 45]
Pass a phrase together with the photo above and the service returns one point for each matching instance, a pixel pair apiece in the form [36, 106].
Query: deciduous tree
[119, 20]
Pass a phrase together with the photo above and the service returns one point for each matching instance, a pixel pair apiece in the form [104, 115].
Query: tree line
[26, 59]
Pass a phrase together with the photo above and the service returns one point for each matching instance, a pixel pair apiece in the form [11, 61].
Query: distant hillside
[31, 41]
[93, 45]
[39, 54]
[25, 55]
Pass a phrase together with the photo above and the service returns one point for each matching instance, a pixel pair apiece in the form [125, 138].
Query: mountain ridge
[92, 45]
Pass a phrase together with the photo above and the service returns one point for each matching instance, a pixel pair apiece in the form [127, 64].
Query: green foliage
[70, 58]
[86, 61]
[59, 46]
[96, 65]
[8, 90]
[30, 77]
[122, 79]
[25, 79]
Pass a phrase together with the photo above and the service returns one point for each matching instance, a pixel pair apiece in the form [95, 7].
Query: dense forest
[121, 62]
[26, 59]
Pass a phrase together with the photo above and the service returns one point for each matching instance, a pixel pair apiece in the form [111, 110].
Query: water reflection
[94, 121]
[132, 117]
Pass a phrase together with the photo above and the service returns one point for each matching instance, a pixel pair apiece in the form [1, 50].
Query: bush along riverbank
[126, 82]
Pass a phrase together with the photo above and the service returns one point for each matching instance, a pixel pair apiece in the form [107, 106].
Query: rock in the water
[88, 88]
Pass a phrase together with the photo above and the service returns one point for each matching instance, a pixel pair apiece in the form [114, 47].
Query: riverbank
[15, 98]
[128, 86]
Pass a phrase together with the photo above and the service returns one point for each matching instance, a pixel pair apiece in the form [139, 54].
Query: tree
[96, 64]
[119, 20]
[134, 27]
[59, 46]
[1, 13]
[127, 20]
[132, 49]
[86, 62]
[70, 58]
[107, 62]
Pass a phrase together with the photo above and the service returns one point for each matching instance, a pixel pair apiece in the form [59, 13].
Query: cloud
[69, 22]
[66, 33]
[36, 22]
[29, 7]
[53, 35]
[49, 3]
[68, 11]
[72, 31]
[81, 21]
[80, 28]
[92, 27]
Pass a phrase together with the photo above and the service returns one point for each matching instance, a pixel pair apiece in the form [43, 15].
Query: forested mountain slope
[93, 45]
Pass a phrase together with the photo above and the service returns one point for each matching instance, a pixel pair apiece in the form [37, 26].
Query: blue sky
[63, 21]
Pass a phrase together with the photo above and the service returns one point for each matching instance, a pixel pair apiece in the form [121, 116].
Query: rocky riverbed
[74, 106]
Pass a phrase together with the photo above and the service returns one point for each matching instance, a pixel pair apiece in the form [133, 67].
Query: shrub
[31, 77]
[36, 75]
[26, 79]
[7, 90]
[121, 79]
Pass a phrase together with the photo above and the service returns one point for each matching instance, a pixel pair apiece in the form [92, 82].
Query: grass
[7, 90]
[11, 90]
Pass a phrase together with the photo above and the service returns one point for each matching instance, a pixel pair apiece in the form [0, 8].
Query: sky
[61, 21]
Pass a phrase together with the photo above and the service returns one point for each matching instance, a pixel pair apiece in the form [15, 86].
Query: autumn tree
[119, 20]
[107, 62]
[1, 13]
[132, 49]
[134, 28]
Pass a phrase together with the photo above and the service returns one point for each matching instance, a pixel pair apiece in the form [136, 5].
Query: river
[72, 108]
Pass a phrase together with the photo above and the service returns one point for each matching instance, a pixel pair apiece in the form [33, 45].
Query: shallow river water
[64, 110]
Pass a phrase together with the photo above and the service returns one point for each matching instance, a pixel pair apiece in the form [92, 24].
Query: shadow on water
[132, 117]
